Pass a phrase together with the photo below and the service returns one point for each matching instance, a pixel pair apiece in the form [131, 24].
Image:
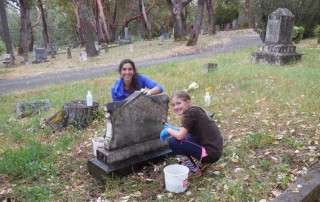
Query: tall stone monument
[277, 47]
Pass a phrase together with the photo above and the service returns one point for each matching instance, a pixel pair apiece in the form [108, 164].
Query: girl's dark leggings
[190, 147]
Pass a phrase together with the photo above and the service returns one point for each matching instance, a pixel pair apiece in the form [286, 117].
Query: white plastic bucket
[176, 178]
[97, 142]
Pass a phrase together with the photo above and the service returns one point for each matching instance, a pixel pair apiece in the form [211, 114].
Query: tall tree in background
[246, 9]
[113, 17]
[5, 30]
[197, 25]
[211, 18]
[145, 22]
[101, 25]
[24, 31]
[45, 35]
[175, 9]
[86, 28]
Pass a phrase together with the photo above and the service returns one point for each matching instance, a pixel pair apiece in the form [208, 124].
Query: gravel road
[33, 82]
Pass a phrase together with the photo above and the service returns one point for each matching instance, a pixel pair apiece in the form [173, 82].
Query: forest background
[30, 23]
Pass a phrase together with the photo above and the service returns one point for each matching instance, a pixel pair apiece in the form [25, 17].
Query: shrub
[297, 34]
[317, 32]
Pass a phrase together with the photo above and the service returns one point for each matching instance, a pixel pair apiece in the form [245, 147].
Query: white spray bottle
[207, 98]
[89, 98]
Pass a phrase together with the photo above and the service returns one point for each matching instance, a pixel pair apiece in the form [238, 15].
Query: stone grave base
[100, 170]
[127, 152]
[276, 58]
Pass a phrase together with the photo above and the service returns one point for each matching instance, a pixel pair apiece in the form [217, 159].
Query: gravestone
[161, 38]
[52, 48]
[24, 109]
[126, 33]
[131, 48]
[83, 56]
[69, 52]
[39, 55]
[127, 39]
[7, 58]
[210, 67]
[132, 134]
[105, 47]
[277, 47]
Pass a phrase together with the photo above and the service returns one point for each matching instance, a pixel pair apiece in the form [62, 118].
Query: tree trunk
[113, 20]
[246, 9]
[75, 113]
[45, 35]
[86, 28]
[175, 10]
[210, 5]
[103, 34]
[197, 24]
[6, 33]
[146, 24]
[24, 16]
[31, 43]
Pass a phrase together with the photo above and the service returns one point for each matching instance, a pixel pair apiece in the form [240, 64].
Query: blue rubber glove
[167, 125]
[164, 134]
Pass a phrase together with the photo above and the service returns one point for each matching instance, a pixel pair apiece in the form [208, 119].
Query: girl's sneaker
[195, 173]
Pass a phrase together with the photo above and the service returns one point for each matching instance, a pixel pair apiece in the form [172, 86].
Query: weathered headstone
[83, 56]
[7, 58]
[209, 67]
[127, 39]
[126, 33]
[27, 108]
[132, 134]
[131, 48]
[277, 47]
[69, 52]
[161, 38]
[39, 55]
[105, 47]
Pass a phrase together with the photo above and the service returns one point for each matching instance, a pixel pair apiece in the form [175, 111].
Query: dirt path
[32, 82]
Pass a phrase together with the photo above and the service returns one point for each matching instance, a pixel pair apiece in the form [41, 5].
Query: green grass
[268, 115]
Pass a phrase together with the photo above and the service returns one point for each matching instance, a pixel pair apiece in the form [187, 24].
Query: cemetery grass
[268, 115]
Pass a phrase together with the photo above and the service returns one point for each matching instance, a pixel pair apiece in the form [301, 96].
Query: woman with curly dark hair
[130, 81]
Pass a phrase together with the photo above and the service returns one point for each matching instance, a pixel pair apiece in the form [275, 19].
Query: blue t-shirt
[118, 93]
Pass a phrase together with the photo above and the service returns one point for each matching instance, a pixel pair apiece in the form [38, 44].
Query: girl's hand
[164, 134]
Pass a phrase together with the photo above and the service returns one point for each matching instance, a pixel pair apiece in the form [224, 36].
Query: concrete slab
[100, 170]
[306, 189]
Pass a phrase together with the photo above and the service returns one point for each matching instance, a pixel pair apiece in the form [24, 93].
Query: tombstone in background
[83, 56]
[24, 109]
[69, 52]
[132, 134]
[127, 39]
[39, 55]
[161, 38]
[277, 47]
[52, 48]
[105, 47]
[126, 33]
[131, 48]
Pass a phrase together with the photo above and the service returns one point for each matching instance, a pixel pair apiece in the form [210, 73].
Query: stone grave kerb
[279, 27]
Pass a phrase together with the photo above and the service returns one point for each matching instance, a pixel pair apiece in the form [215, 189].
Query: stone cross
[278, 48]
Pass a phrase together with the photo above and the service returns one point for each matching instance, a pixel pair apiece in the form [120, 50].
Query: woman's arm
[178, 134]
[154, 88]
